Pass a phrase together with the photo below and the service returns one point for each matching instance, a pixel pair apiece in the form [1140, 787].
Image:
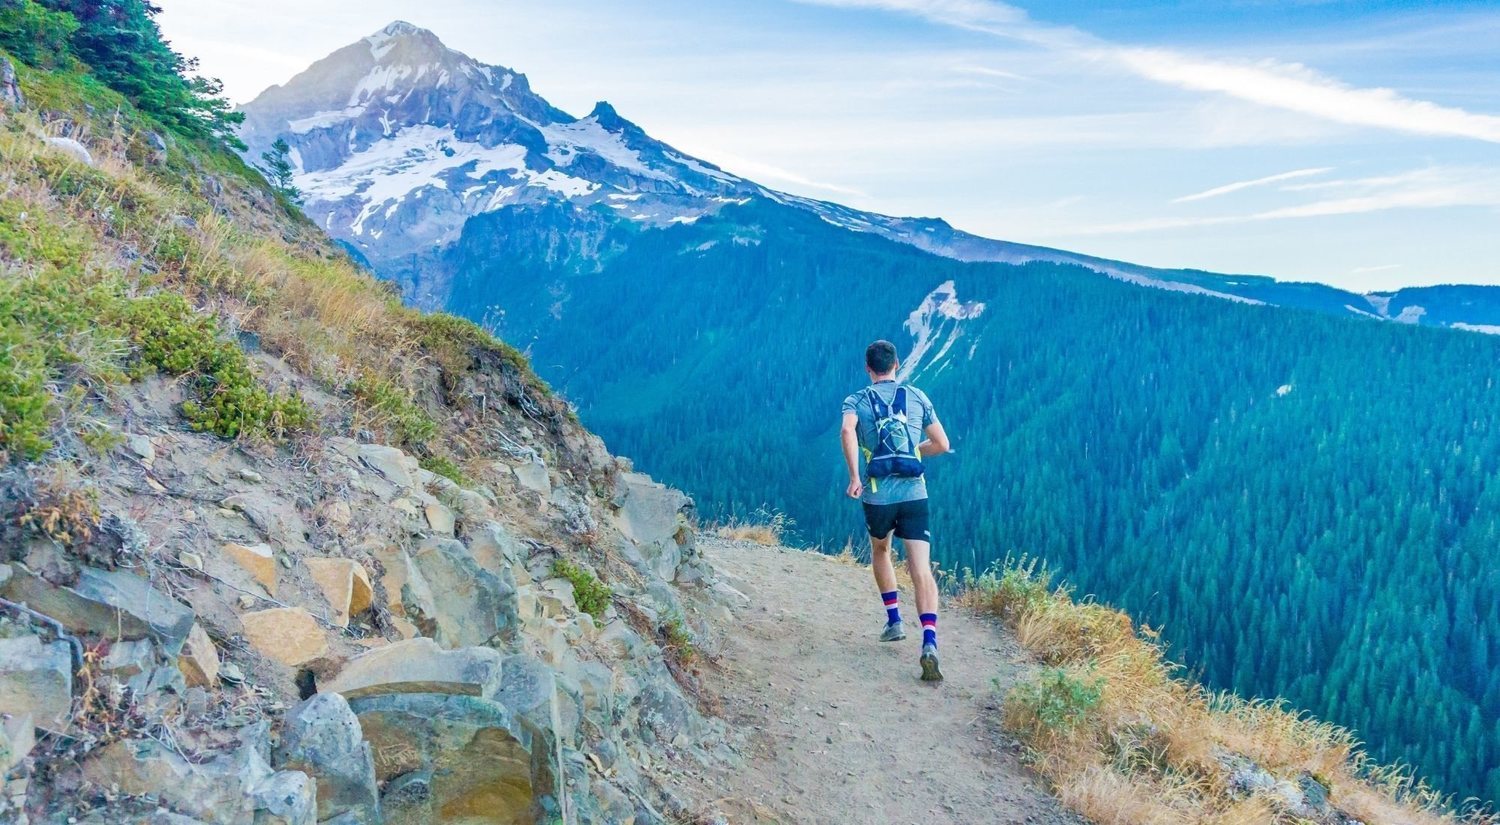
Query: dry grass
[767, 529]
[1123, 740]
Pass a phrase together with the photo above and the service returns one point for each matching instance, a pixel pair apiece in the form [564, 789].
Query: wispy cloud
[1363, 270]
[1289, 86]
[1421, 189]
[1250, 184]
[1297, 88]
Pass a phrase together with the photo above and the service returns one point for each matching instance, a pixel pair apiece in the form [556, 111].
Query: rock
[458, 759]
[259, 560]
[276, 518]
[235, 788]
[10, 86]
[657, 519]
[289, 635]
[533, 476]
[495, 547]
[158, 146]
[199, 661]
[17, 738]
[337, 514]
[126, 659]
[418, 666]
[245, 473]
[113, 603]
[323, 739]
[143, 448]
[397, 467]
[475, 606]
[285, 798]
[439, 518]
[345, 584]
[69, 146]
[190, 560]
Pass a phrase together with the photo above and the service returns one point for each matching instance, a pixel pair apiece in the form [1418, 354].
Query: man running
[882, 434]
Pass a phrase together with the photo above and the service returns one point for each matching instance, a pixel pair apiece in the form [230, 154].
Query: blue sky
[1355, 143]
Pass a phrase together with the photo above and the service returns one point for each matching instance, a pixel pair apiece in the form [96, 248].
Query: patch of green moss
[591, 595]
[392, 408]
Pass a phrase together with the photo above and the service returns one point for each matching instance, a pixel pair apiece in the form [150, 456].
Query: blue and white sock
[929, 629]
[892, 606]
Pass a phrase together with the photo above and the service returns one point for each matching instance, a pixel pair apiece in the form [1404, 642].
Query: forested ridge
[1306, 505]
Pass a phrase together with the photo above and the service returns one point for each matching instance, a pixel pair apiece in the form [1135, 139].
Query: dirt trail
[845, 731]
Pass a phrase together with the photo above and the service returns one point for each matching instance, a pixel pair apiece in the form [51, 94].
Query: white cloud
[1248, 184]
[1289, 86]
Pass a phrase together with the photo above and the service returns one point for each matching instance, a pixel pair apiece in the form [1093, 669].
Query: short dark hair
[880, 357]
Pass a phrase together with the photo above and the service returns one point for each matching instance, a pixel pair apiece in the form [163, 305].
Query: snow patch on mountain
[566, 140]
[938, 322]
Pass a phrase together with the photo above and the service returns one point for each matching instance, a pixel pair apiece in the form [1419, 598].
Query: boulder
[199, 660]
[289, 635]
[656, 519]
[476, 605]
[418, 666]
[113, 603]
[323, 739]
[235, 788]
[259, 560]
[457, 759]
[72, 148]
[345, 584]
[36, 680]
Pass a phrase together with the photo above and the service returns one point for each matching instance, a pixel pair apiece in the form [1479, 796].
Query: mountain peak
[400, 28]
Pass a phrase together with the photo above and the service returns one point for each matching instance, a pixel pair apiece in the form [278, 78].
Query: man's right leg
[885, 582]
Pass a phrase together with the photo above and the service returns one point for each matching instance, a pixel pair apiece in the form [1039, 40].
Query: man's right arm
[849, 436]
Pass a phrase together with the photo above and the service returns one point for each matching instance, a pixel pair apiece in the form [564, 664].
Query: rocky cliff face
[283, 551]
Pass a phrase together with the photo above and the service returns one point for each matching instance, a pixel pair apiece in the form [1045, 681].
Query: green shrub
[230, 401]
[1010, 590]
[24, 399]
[679, 639]
[392, 408]
[1056, 702]
[591, 594]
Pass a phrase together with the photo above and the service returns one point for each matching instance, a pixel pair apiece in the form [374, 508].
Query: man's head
[880, 359]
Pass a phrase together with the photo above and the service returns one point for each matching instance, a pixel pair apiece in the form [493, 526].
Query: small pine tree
[278, 170]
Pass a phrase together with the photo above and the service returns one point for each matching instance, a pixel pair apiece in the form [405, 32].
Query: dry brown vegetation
[767, 529]
[1123, 740]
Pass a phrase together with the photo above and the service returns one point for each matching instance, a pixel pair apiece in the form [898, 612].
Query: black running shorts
[908, 519]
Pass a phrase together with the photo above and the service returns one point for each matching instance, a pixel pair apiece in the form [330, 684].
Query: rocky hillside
[279, 550]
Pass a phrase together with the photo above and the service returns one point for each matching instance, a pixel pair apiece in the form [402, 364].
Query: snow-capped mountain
[398, 142]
